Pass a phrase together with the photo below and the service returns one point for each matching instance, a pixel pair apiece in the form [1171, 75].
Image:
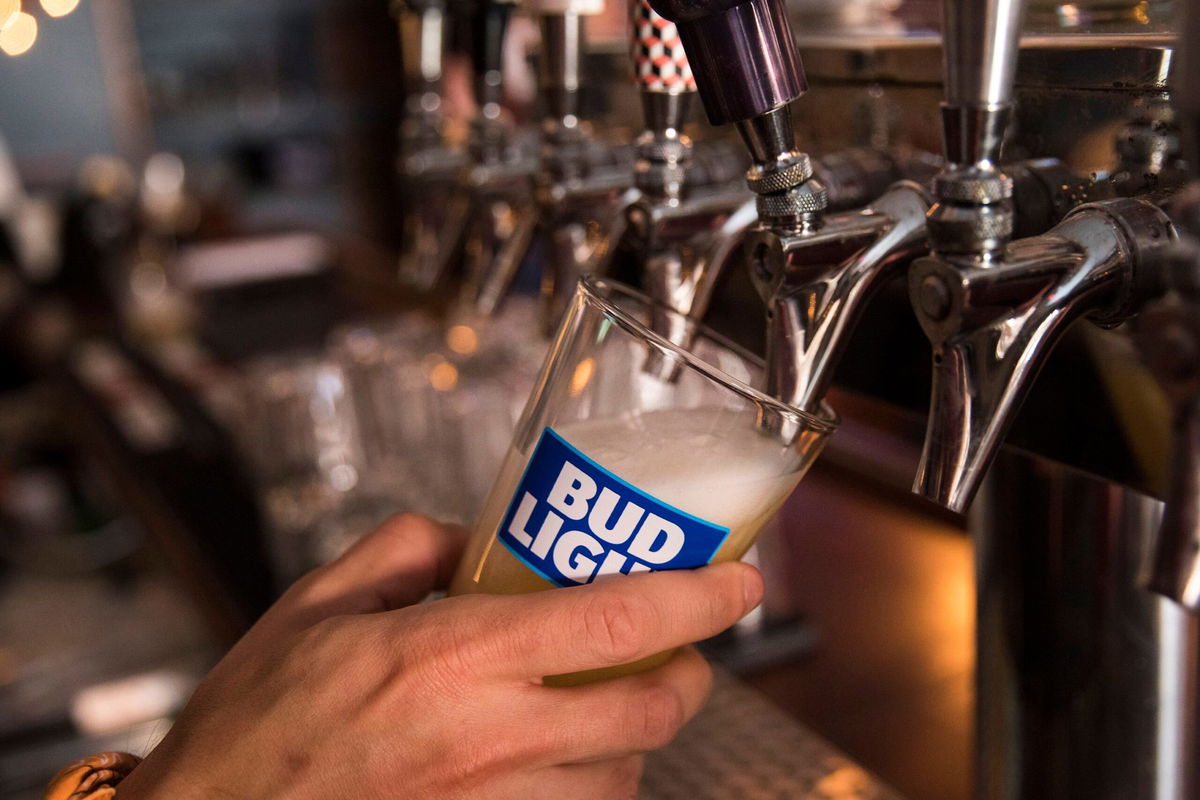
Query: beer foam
[709, 462]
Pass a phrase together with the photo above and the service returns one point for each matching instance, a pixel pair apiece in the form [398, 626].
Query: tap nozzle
[993, 324]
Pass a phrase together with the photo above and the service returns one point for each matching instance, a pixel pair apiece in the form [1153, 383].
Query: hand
[346, 689]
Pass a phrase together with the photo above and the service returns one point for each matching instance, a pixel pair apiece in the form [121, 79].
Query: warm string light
[8, 12]
[19, 30]
[19, 35]
[59, 8]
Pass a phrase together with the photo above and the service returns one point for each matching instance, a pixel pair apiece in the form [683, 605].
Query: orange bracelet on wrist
[92, 778]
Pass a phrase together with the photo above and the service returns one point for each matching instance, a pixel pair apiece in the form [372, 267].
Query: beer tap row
[1001, 257]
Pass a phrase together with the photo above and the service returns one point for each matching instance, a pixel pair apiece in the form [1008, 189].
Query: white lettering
[612, 564]
[571, 491]
[570, 560]
[602, 513]
[657, 541]
[551, 525]
[520, 519]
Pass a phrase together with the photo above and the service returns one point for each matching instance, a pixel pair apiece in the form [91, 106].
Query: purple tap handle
[742, 54]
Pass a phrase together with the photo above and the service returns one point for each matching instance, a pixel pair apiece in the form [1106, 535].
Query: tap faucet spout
[816, 283]
[992, 325]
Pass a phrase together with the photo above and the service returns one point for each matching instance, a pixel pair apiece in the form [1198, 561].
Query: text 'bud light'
[571, 521]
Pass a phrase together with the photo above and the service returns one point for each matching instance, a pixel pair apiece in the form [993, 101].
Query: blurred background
[220, 360]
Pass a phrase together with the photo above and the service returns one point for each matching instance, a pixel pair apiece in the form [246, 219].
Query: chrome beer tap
[992, 308]
[498, 178]
[434, 213]
[1168, 334]
[577, 193]
[814, 269]
[676, 235]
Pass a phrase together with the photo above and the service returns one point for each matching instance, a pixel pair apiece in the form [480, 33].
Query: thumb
[396, 565]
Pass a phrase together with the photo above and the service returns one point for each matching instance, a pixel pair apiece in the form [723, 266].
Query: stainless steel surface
[1087, 683]
[742, 746]
[993, 325]
[1130, 63]
[1168, 333]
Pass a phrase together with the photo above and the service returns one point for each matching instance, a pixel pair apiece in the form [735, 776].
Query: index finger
[616, 621]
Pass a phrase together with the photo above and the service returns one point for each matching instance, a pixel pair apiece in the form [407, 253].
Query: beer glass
[636, 454]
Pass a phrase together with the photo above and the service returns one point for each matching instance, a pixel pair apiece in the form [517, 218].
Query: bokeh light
[462, 339]
[59, 8]
[443, 377]
[8, 12]
[20, 35]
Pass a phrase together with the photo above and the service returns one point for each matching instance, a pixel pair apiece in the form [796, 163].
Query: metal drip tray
[742, 747]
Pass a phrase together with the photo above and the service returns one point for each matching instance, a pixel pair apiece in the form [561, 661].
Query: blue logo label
[571, 520]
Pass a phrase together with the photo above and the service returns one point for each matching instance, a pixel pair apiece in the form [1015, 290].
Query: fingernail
[752, 587]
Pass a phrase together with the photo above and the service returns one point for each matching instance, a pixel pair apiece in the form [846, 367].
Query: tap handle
[422, 35]
[489, 23]
[660, 64]
[742, 53]
[554, 8]
[417, 7]
[981, 39]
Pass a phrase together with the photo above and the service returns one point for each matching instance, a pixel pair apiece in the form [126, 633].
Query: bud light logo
[571, 521]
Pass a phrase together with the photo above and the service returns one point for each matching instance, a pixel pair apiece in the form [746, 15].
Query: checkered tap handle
[659, 62]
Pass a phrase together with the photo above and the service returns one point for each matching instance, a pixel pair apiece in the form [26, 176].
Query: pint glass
[636, 454]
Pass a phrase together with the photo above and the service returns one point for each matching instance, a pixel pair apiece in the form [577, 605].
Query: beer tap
[422, 33]
[577, 197]
[814, 269]
[1168, 334]
[498, 177]
[675, 234]
[434, 214]
[994, 308]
